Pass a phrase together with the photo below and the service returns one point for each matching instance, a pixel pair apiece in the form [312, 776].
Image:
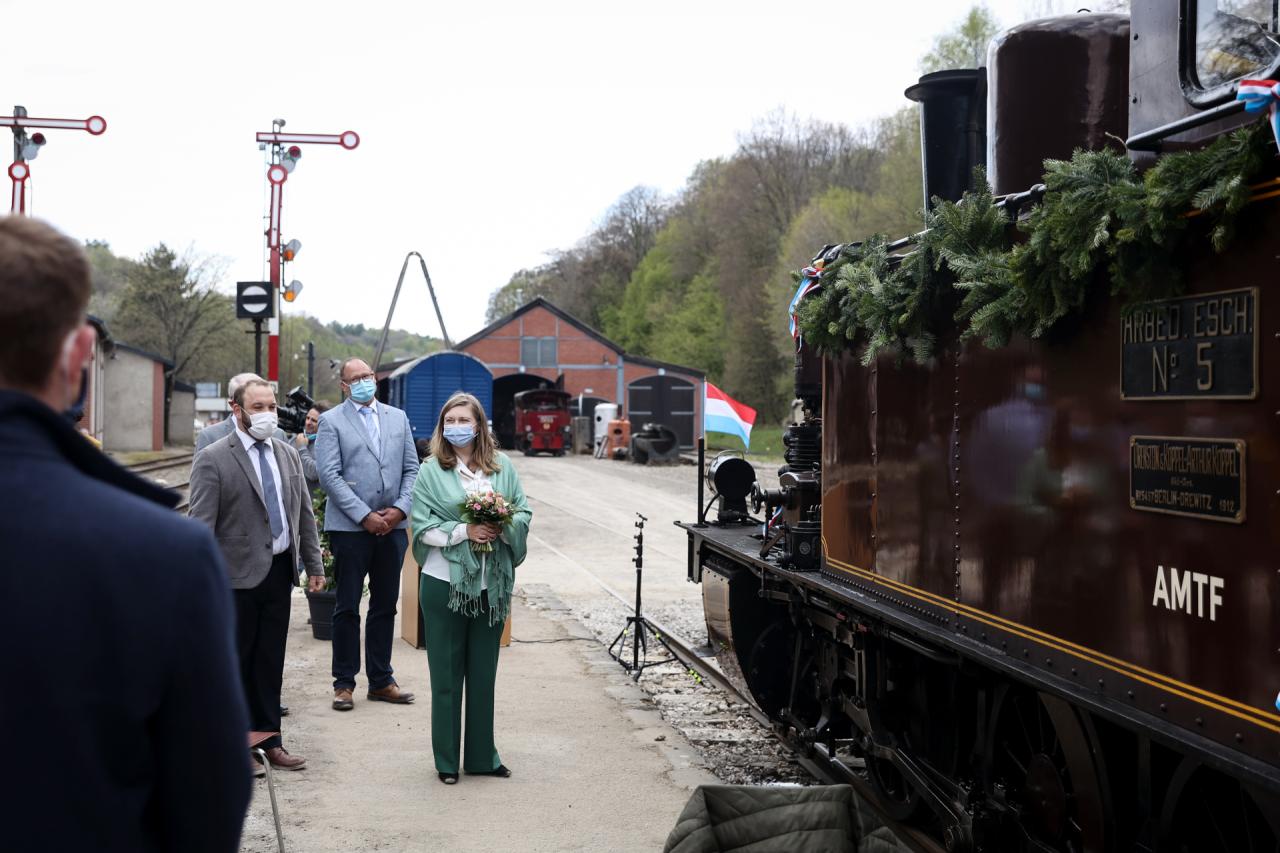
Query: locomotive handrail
[1149, 140]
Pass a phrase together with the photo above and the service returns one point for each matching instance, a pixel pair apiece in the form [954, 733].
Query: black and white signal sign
[253, 300]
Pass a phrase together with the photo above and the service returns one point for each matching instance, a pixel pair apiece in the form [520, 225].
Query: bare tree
[173, 308]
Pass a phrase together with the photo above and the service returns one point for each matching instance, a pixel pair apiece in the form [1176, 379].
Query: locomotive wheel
[769, 667]
[1040, 759]
[1208, 812]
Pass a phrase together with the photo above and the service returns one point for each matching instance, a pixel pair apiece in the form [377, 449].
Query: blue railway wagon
[422, 386]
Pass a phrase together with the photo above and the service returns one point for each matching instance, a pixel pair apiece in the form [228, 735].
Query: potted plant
[322, 603]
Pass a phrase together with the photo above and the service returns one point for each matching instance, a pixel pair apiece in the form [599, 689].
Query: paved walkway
[594, 766]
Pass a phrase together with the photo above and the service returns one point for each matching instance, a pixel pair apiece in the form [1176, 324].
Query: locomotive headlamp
[732, 479]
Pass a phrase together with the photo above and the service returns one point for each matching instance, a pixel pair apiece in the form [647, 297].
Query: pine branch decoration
[1098, 218]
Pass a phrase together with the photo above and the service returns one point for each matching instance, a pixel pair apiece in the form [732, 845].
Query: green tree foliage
[170, 305]
[963, 47]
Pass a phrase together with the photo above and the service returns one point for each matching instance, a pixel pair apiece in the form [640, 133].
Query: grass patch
[766, 442]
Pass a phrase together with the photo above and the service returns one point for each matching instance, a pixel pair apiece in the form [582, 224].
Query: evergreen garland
[1098, 217]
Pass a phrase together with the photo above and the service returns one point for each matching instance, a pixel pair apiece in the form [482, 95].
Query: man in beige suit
[249, 487]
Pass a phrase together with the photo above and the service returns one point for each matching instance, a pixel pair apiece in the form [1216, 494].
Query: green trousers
[462, 653]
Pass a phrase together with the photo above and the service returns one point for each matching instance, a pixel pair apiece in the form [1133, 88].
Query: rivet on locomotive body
[1199, 721]
[1130, 694]
[1100, 682]
[1048, 661]
[1164, 707]
[1074, 672]
[1239, 738]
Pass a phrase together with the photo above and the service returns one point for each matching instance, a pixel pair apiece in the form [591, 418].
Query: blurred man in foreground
[124, 710]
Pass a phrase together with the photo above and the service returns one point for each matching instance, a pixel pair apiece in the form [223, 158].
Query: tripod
[637, 624]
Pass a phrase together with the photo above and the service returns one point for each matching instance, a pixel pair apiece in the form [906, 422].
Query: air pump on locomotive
[979, 578]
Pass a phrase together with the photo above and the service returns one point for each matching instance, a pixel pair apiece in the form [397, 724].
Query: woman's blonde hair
[486, 451]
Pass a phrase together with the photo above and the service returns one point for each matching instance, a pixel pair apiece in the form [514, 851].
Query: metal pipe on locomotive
[1019, 672]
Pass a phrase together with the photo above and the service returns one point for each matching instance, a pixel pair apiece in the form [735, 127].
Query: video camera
[293, 415]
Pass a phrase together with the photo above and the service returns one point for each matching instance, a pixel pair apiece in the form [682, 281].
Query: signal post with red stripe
[285, 152]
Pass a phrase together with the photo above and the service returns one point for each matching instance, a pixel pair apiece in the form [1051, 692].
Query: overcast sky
[490, 133]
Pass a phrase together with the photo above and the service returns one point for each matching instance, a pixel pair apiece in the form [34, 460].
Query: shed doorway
[505, 388]
[665, 400]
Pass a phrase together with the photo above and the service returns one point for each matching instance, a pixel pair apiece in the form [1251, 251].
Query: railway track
[177, 461]
[829, 769]
[148, 469]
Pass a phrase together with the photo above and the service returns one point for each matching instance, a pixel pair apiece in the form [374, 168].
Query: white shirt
[373, 413]
[282, 542]
[436, 565]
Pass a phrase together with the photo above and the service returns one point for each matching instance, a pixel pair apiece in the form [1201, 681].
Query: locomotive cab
[1041, 610]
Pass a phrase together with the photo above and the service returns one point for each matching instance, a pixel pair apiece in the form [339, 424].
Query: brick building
[540, 345]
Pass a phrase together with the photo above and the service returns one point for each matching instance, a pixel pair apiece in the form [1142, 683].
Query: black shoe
[284, 710]
[501, 771]
[448, 778]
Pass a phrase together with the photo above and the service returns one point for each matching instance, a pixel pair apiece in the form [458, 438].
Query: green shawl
[437, 498]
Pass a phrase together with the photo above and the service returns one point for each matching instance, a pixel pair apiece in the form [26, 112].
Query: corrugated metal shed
[422, 386]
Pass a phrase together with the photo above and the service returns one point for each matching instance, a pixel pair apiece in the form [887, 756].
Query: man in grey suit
[367, 466]
[227, 425]
[249, 488]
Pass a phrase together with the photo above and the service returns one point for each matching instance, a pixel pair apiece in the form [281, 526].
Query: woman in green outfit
[465, 594]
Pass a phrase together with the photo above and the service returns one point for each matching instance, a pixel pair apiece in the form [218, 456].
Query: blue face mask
[460, 436]
[311, 436]
[363, 391]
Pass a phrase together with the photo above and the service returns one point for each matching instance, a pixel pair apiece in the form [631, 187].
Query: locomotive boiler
[1033, 589]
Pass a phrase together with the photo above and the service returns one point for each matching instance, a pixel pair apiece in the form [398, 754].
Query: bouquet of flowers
[486, 508]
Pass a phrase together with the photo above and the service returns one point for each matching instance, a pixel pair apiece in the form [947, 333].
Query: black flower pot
[322, 604]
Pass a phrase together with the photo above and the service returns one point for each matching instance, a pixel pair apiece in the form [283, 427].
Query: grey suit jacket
[357, 480]
[307, 453]
[222, 429]
[227, 495]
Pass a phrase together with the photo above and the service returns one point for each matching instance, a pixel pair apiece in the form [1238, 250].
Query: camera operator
[305, 442]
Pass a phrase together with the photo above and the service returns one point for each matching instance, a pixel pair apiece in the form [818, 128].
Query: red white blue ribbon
[808, 283]
[1259, 95]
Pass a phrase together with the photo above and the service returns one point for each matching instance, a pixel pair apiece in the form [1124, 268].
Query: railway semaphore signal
[27, 146]
[286, 151]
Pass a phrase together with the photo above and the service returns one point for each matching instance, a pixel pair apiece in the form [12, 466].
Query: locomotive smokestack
[953, 128]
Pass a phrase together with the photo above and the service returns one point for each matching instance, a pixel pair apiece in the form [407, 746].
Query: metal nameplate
[1197, 477]
[1193, 347]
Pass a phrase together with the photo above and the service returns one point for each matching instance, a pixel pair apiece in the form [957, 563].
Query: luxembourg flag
[722, 413]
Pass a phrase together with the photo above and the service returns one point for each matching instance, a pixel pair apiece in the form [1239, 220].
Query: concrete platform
[595, 767]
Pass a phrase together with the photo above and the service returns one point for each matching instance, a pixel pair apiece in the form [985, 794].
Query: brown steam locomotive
[1035, 588]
